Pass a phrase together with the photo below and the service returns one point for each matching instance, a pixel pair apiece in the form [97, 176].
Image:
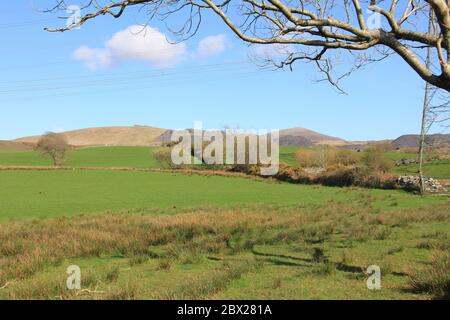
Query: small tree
[374, 159]
[55, 146]
[163, 157]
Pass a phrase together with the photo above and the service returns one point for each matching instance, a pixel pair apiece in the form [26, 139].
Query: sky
[108, 73]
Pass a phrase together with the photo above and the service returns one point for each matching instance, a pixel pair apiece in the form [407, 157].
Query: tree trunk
[425, 109]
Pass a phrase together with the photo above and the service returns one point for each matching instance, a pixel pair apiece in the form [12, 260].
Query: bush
[375, 160]
[356, 176]
[438, 153]
[435, 279]
[307, 158]
[164, 157]
[326, 157]
[291, 174]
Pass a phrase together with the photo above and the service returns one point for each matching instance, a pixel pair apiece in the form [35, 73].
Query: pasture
[135, 157]
[35, 194]
[160, 235]
[141, 157]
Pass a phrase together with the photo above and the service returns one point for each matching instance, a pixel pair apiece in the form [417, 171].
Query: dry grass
[435, 277]
[27, 248]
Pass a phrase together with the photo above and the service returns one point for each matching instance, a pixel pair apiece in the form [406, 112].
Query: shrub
[326, 157]
[164, 157]
[307, 158]
[434, 279]
[356, 176]
[164, 265]
[341, 157]
[291, 174]
[438, 153]
[112, 275]
[375, 160]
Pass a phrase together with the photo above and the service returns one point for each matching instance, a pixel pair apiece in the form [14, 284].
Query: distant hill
[146, 136]
[297, 141]
[288, 137]
[304, 137]
[108, 136]
[167, 135]
[412, 140]
[15, 146]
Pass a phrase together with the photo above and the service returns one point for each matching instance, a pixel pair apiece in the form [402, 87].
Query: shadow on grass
[282, 256]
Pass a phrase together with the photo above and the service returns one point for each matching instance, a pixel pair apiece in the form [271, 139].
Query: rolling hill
[412, 140]
[304, 137]
[147, 136]
[108, 136]
[15, 146]
[298, 137]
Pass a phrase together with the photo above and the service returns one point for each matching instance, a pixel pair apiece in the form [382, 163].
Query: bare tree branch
[313, 29]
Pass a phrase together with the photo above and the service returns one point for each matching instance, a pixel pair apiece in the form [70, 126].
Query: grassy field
[436, 169]
[159, 235]
[287, 155]
[141, 157]
[32, 194]
[261, 252]
[136, 157]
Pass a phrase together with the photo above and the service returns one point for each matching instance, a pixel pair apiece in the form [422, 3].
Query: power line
[140, 80]
[146, 72]
[21, 24]
[134, 87]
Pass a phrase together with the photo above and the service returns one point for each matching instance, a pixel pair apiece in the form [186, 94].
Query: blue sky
[44, 88]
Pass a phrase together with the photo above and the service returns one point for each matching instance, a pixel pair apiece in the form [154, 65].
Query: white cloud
[94, 58]
[212, 45]
[271, 51]
[134, 43]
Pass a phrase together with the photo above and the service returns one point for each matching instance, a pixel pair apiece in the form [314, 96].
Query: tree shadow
[282, 256]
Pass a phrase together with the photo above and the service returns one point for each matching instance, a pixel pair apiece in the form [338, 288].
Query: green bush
[435, 278]
[375, 160]
[164, 157]
[326, 157]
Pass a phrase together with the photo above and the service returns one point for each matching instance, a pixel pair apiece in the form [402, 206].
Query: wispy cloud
[212, 45]
[146, 44]
[134, 43]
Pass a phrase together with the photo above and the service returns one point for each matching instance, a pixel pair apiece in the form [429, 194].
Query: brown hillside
[305, 137]
[14, 146]
[108, 136]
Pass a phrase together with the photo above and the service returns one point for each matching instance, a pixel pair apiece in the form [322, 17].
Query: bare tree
[311, 30]
[436, 108]
[53, 145]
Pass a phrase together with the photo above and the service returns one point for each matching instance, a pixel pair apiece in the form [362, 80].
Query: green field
[135, 157]
[160, 235]
[287, 155]
[141, 157]
[306, 250]
[31, 194]
[435, 169]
